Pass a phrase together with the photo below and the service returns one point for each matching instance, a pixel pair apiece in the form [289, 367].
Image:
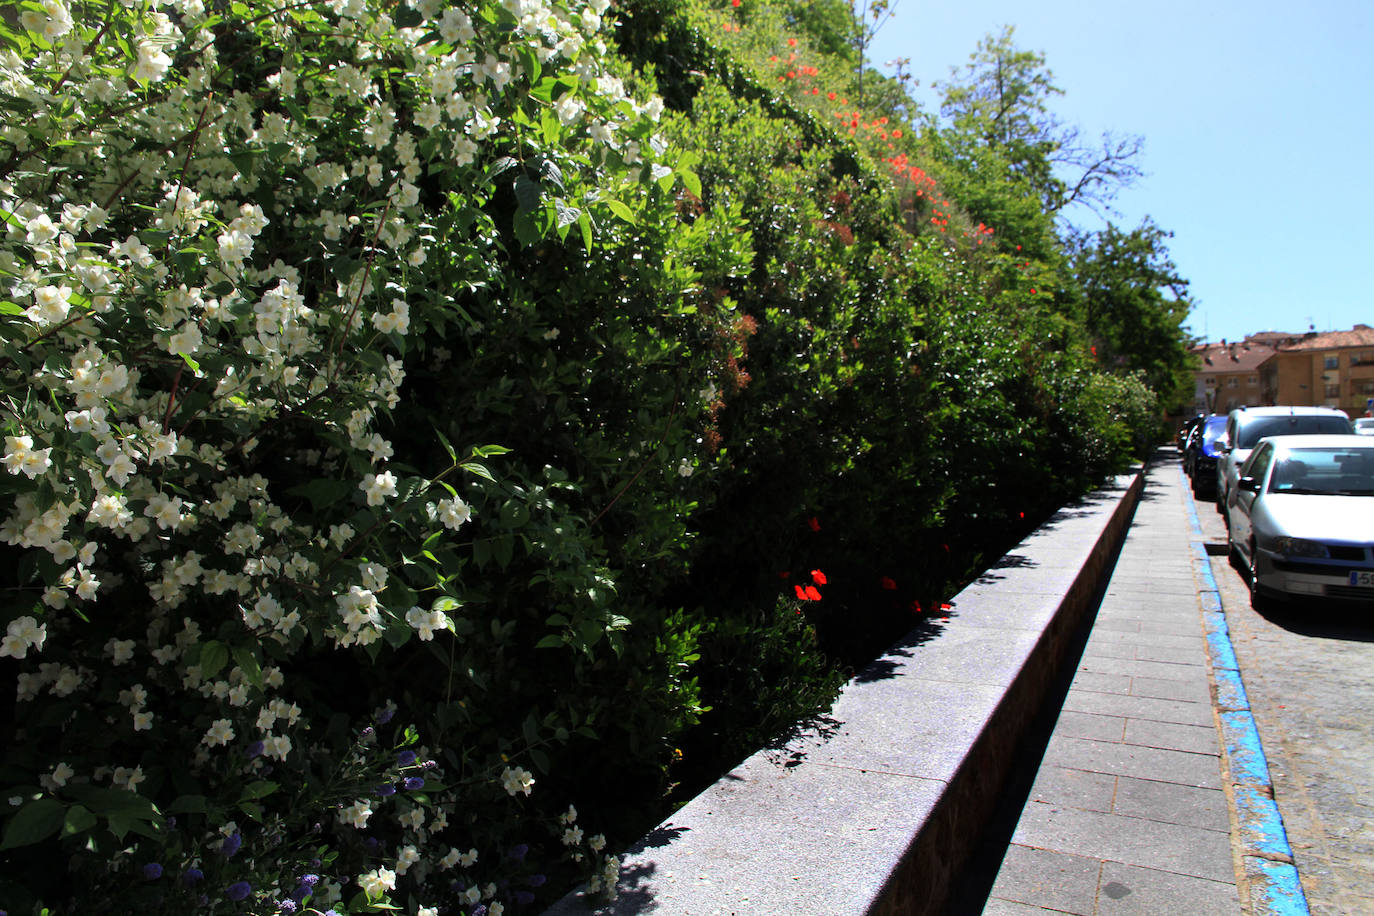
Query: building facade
[1327, 369]
[1330, 369]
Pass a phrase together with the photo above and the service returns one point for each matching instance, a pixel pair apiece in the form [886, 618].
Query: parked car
[1186, 430]
[1200, 454]
[1364, 426]
[1302, 522]
[1247, 425]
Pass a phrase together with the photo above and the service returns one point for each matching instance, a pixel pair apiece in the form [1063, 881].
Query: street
[1309, 674]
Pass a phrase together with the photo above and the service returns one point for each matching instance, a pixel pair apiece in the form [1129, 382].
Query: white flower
[517, 779]
[152, 63]
[22, 634]
[454, 512]
[143, 720]
[378, 882]
[219, 733]
[378, 487]
[572, 836]
[426, 622]
[50, 305]
[684, 468]
[60, 774]
[356, 814]
[20, 455]
[407, 857]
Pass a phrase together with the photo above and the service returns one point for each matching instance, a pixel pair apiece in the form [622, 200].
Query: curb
[1270, 872]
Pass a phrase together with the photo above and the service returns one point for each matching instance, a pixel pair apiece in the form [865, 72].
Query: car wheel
[1258, 600]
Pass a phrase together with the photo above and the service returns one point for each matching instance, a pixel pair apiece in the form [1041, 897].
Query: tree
[1134, 304]
[1001, 101]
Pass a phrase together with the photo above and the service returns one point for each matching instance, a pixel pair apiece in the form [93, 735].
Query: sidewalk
[1129, 811]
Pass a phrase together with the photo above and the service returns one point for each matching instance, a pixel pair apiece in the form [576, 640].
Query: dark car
[1200, 454]
[1186, 430]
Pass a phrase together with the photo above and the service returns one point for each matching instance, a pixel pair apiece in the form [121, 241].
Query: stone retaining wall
[873, 809]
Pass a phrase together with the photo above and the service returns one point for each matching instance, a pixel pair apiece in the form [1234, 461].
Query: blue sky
[1258, 120]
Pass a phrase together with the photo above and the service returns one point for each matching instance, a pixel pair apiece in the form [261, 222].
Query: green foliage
[419, 420]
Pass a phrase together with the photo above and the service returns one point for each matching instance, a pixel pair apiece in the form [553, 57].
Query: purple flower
[255, 749]
[405, 759]
[152, 871]
[287, 906]
[536, 880]
[231, 845]
[384, 791]
[518, 852]
[368, 732]
[412, 783]
[191, 876]
[384, 715]
[310, 880]
[239, 890]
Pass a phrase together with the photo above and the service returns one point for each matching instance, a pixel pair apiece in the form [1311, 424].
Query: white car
[1247, 425]
[1364, 426]
[1302, 521]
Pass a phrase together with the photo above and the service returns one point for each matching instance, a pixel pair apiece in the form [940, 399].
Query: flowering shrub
[235, 236]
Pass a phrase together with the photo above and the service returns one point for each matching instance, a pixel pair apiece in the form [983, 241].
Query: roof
[1362, 335]
[1245, 356]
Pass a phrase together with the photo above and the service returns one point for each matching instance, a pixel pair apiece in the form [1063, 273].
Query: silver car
[1302, 520]
[1247, 425]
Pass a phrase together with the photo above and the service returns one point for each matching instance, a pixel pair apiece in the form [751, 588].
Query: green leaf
[214, 655]
[33, 823]
[550, 642]
[248, 663]
[79, 820]
[690, 181]
[620, 210]
[259, 789]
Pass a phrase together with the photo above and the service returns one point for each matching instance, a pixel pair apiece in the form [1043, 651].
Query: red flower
[915, 607]
[784, 575]
[813, 523]
[887, 583]
[791, 42]
[734, 2]
[801, 593]
[818, 577]
[813, 593]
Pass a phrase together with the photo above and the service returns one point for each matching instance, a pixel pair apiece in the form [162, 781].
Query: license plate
[1362, 578]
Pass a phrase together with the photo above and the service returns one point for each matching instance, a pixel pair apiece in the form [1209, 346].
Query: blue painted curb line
[1265, 853]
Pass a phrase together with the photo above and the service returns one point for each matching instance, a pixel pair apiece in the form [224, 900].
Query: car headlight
[1300, 547]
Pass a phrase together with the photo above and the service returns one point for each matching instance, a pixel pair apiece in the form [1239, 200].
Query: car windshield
[1214, 430]
[1324, 472]
[1298, 424]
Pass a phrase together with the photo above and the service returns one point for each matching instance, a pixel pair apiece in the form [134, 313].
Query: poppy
[813, 593]
[887, 583]
[818, 577]
[813, 523]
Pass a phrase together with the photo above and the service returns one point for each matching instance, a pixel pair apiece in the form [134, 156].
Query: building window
[1331, 361]
[1363, 358]
[1252, 381]
[1231, 382]
[1365, 386]
[1333, 391]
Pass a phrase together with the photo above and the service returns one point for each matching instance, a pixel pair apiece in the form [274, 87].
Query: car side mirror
[1249, 484]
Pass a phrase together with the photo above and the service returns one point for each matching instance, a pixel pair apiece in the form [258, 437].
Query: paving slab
[1127, 813]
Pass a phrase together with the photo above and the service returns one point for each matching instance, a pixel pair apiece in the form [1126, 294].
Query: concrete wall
[875, 808]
